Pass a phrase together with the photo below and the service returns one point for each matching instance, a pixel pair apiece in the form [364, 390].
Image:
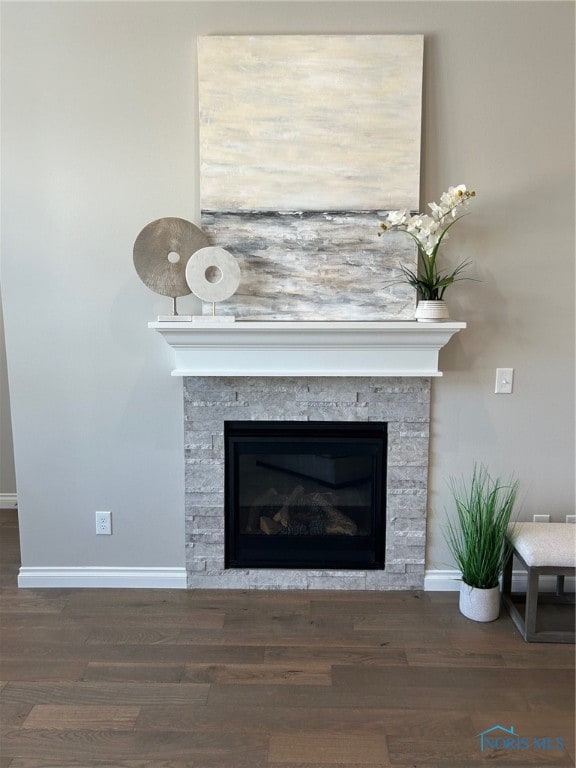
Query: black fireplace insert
[305, 494]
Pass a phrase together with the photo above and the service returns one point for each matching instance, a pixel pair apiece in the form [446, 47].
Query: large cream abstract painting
[297, 132]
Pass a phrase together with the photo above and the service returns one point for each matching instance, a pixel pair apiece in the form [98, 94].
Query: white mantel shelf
[254, 348]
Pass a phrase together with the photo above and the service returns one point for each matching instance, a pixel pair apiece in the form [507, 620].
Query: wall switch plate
[571, 518]
[541, 518]
[504, 381]
[104, 523]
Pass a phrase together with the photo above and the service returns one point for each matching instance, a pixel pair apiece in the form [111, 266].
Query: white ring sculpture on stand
[213, 274]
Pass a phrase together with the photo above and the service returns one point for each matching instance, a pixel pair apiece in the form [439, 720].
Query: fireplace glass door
[305, 494]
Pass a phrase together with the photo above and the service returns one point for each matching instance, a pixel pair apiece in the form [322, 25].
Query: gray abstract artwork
[305, 143]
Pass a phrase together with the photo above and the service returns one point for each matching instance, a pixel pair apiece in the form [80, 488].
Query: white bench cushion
[545, 543]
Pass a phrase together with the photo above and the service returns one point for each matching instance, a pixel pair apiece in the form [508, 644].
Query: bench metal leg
[527, 622]
[507, 576]
[531, 609]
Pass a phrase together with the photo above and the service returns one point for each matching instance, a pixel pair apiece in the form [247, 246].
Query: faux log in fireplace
[305, 494]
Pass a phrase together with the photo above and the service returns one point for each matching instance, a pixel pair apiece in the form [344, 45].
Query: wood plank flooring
[234, 679]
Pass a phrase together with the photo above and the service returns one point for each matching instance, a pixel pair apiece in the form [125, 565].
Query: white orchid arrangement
[428, 231]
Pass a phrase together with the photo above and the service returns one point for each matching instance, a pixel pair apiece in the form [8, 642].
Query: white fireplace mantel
[254, 348]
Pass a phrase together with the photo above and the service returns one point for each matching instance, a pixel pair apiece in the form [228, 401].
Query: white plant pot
[479, 604]
[431, 311]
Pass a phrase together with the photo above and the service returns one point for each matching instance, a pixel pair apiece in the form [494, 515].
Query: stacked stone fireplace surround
[404, 403]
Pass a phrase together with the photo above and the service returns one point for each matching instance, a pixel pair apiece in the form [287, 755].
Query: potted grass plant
[477, 539]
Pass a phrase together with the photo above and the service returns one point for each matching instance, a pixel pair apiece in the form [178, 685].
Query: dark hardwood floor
[233, 679]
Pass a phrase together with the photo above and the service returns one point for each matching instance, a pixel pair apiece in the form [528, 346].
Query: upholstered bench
[543, 549]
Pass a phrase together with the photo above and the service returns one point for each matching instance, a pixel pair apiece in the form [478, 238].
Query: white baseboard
[175, 578]
[101, 578]
[449, 581]
[8, 501]
[441, 581]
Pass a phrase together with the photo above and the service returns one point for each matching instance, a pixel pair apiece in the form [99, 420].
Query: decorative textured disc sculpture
[162, 251]
[213, 274]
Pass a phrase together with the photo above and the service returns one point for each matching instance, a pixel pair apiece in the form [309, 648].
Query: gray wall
[99, 138]
[7, 471]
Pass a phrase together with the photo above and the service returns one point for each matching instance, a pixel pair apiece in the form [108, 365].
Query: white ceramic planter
[431, 311]
[479, 604]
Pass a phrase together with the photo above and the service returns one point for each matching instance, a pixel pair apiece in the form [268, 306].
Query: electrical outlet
[104, 523]
[541, 518]
[571, 518]
[504, 381]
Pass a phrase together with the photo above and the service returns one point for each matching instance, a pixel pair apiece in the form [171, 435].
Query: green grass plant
[476, 536]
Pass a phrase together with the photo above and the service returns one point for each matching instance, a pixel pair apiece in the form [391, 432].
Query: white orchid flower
[413, 223]
[427, 225]
[437, 210]
[395, 218]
